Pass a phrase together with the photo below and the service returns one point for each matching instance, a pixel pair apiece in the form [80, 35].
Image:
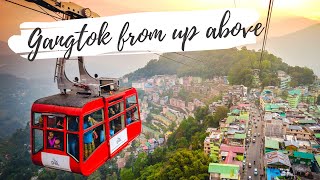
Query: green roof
[267, 107]
[307, 121]
[216, 148]
[303, 155]
[283, 114]
[239, 136]
[236, 111]
[294, 91]
[274, 106]
[226, 171]
[317, 157]
[272, 144]
[244, 116]
[230, 119]
[317, 135]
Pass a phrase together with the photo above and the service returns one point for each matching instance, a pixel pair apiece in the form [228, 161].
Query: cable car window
[115, 109]
[92, 140]
[37, 140]
[73, 123]
[37, 119]
[73, 146]
[131, 101]
[55, 140]
[132, 115]
[55, 122]
[116, 125]
[93, 118]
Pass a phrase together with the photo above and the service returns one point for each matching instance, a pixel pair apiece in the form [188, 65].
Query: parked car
[255, 172]
[244, 162]
[253, 140]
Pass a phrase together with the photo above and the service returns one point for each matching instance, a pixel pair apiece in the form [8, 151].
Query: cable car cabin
[78, 133]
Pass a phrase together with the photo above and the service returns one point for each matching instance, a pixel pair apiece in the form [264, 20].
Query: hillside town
[268, 134]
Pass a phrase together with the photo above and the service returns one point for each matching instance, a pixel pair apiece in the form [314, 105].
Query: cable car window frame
[74, 133]
[134, 104]
[115, 117]
[113, 102]
[33, 140]
[78, 141]
[132, 121]
[67, 124]
[33, 120]
[99, 123]
[56, 128]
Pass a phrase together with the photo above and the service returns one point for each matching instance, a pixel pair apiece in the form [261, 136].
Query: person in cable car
[88, 137]
[51, 139]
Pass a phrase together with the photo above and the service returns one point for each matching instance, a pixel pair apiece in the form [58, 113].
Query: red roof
[244, 105]
[236, 149]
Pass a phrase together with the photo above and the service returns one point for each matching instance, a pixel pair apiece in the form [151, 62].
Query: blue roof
[148, 85]
[272, 173]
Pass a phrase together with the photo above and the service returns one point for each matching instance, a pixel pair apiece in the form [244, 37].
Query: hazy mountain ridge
[300, 48]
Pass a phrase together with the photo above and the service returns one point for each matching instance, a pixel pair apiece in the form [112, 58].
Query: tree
[126, 173]
[318, 100]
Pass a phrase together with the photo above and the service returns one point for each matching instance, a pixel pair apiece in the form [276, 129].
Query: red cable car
[79, 130]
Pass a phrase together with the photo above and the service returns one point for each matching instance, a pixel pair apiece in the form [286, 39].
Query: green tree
[126, 173]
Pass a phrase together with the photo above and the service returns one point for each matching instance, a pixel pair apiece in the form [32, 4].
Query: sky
[309, 10]
[288, 16]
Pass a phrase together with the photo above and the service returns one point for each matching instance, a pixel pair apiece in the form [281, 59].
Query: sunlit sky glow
[11, 15]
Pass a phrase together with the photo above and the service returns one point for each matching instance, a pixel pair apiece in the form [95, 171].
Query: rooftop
[236, 149]
[307, 121]
[272, 144]
[226, 171]
[239, 136]
[303, 155]
[277, 158]
[295, 127]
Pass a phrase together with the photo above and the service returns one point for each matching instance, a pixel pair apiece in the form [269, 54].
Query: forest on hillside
[238, 65]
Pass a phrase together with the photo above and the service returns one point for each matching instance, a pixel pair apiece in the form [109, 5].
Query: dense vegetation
[182, 157]
[237, 64]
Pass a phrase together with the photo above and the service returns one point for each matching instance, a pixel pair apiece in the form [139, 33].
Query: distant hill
[16, 98]
[300, 48]
[106, 66]
[237, 64]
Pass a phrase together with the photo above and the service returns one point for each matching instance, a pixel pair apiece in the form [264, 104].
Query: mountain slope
[300, 48]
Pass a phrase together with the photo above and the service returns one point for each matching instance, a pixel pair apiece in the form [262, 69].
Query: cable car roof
[71, 99]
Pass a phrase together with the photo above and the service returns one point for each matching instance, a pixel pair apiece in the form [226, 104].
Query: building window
[37, 140]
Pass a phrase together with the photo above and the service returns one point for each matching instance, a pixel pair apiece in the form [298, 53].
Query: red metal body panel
[102, 153]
